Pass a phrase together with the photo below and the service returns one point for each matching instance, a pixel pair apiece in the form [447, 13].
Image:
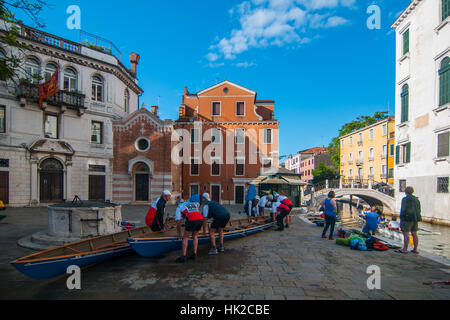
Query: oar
[436, 282]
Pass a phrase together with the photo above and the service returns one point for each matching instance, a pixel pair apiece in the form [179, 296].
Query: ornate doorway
[142, 182]
[51, 181]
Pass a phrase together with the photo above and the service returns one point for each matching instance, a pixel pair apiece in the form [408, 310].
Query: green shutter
[444, 82]
[445, 9]
[397, 155]
[405, 103]
[406, 42]
[408, 152]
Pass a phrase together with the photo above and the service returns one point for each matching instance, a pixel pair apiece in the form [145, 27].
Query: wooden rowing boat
[151, 245]
[54, 262]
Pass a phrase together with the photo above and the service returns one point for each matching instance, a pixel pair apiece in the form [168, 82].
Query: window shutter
[408, 152]
[445, 9]
[397, 155]
[406, 42]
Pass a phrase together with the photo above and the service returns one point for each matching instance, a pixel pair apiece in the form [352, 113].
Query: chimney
[134, 59]
[181, 111]
[186, 91]
[155, 110]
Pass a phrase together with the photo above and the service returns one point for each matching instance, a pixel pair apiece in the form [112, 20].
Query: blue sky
[316, 58]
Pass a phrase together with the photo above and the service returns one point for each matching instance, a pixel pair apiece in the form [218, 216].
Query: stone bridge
[362, 191]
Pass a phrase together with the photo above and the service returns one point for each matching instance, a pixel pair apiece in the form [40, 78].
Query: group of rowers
[196, 219]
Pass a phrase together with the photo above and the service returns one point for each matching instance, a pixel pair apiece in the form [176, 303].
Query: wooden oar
[436, 282]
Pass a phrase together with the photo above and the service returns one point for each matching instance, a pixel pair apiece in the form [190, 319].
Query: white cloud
[245, 64]
[264, 23]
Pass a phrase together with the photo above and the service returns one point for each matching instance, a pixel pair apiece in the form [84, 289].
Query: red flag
[49, 87]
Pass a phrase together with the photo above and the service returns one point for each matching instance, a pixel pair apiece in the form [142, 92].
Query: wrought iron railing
[47, 38]
[72, 100]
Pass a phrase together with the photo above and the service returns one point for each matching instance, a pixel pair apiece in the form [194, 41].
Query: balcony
[46, 38]
[360, 143]
[63, 99]
[370, 158]
[359, 162]
[350, 162]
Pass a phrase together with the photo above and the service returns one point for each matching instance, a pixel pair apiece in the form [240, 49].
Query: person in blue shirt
[372, 221]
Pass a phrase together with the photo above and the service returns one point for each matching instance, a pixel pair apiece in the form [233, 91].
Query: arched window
[126, 102]
[444, 82]
[32, 68]
[405, 103]
[50, 69]
[97, 88]
[70, 80]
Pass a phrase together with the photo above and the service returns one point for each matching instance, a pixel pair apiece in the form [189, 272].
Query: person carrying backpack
[410, 216]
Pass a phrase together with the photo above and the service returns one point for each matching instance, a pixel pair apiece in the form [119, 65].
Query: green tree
[12, 65]
[360, 122]
[323, 172]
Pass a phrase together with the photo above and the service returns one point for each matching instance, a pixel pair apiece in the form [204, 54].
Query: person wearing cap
[193, 222]
[253, 207]
[220, 217]
[262, 204]
[155, 215]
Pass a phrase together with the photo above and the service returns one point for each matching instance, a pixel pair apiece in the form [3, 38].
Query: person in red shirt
[193, 222]
[284, 207]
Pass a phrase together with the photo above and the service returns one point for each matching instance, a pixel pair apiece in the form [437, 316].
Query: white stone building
[65, 148]
[423, 105]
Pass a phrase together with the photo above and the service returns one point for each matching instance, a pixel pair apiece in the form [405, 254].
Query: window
[126, 101]
[195, 136]
[406, 42]
[194, 170]
[371, 134]
[351, 141]
[239, 165]
[97, 88]
[2, 119]
[195, 189]
[443, 144]
[385, 130]
[360, 174]
[403, 153]
[391, 173]
[342, 143]
[371, 153]
[51, 126]
[442, 185]
[70, 82]
[384, 154]
[142, 144]
[96, 132]
[342, 160]
[216, 136]
[215, 167]
[371, 171]
[267, 163]
[360, 156]
[445, 9]
[240, 108]
[267, 136]
[216, 108]
[384, 171]
[402, 185]
[350, 172]
[392, 151]
[32, 69]
[444, 82]
[50, 69]
[360, 138]
[405, 103]
[240, 136]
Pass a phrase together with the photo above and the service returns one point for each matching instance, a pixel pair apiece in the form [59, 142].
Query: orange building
[226, 137]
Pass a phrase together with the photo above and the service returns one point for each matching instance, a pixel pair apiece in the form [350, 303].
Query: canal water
[434, 239]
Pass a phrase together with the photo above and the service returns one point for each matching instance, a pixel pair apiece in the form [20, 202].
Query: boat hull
[46, 269]
[152, 247]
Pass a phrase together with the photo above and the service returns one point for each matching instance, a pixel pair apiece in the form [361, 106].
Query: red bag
[380, 246]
